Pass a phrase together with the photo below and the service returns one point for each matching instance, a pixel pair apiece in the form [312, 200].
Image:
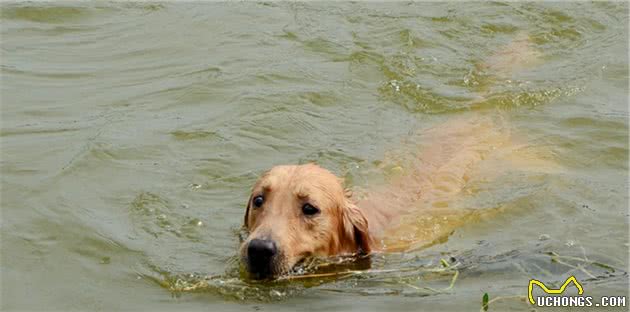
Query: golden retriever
[300, 211]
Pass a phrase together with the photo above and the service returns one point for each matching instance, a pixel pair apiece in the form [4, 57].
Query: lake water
[131, 134]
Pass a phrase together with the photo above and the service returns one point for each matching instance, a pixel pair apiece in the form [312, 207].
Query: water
[131, 134]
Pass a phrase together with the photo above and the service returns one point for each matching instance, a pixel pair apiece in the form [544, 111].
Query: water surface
[131, 134]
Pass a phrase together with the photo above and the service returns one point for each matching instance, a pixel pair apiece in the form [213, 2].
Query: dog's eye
[258, 201]
[309, 209]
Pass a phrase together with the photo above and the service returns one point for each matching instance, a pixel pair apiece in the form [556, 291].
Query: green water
[132, 133]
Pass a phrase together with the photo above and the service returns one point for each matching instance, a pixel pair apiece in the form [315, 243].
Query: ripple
[195, 135]
[46, 14]
[157, 216]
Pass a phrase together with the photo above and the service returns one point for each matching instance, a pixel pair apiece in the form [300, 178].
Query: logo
[560, 300]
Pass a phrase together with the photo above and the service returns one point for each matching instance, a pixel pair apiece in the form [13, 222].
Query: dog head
[296, 212]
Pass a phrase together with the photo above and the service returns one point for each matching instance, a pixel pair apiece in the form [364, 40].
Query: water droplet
[276, 293]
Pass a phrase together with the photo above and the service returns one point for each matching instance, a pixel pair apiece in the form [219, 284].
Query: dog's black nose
[261, 250]
[260, 253]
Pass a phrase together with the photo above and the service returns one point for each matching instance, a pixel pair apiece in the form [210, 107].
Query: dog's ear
[355, 227]
[247, 211]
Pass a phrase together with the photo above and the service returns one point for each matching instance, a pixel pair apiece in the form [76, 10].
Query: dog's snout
[260, 257]
[261, 249]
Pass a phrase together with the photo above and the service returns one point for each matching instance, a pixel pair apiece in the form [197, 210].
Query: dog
[296, 212]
